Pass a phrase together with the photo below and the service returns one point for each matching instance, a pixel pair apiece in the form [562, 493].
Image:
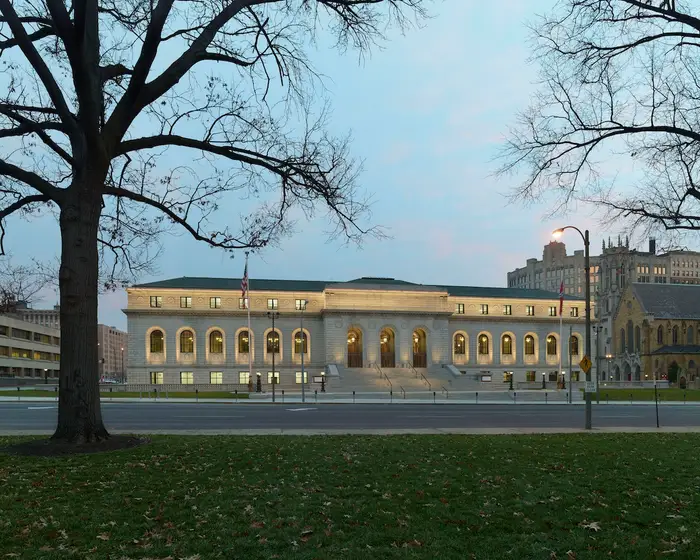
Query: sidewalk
[329, 398]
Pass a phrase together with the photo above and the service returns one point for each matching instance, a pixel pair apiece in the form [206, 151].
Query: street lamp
[275, 346]
[46, 376]
[587, 265]
[544, 380]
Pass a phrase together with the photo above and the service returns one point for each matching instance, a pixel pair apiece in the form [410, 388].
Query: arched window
[630, 336]
[460, 345]
[273, 342]
[186, 342]
[675, 335]
[529, 345]
[299, 340]
[506, 345]
[660, 335]
[622, 340]
[690, 337]
[157, 342]
[483, 345]
[551, 345]
[243, 342]
[573, 345]
[216, 342]
[637, 339]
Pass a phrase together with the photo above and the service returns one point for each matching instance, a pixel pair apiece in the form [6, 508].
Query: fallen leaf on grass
[593, 526]
[257, 525]
[103, 536]
[571, 555]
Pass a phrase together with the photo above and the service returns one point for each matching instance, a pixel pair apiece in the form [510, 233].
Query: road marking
[300, 409]
[621, 416]
[207, 416]
[41, 407]
[435, 416]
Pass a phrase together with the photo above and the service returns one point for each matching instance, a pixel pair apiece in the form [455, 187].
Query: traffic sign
[585, 364]
[590, 387]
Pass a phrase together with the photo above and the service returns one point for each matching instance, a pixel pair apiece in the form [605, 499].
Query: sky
[428, 112]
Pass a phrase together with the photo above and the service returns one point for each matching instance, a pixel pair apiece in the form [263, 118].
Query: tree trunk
[79, 414]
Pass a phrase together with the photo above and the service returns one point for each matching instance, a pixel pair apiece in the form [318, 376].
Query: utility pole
[571, 386]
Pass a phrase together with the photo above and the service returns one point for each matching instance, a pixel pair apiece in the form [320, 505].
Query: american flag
[561, 298]
[244, 282]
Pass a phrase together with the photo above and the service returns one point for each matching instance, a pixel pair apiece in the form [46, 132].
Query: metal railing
[446, 392]
[418, 374]
[385, 376]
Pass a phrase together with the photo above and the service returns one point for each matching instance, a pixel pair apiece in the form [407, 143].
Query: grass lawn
[360, 497]
[125, 394]
[648, 394]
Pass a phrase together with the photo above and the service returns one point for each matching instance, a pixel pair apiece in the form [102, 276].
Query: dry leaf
[103, 536]
[593, 526]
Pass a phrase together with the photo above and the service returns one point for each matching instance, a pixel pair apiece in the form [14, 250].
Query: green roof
[203, 283]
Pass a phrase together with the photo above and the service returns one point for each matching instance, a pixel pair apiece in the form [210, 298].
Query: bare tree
[126, 118]
[19, 283]
[620, 87]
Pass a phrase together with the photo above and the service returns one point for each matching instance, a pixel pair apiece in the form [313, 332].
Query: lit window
[243, 342]
[507, 345]
[156, 342]
[552, 311]
[299, 339]
[551, 346]
[483, 345]
[186, 378]
[574, 311]
[216, 377]
[299, 304]
[273, 342]
[156, 301]
[186, 342]
[459, 309]
[573, 346]
[272, 303]
[156, 378]
[484, 309]
[460, 348]
[529, 345]
[530, 376]
[273, 375]
[242, 303]
[243, 377]
[530, 310]
[185, 301]
[298, 377]
[507, 310]
[216, 342]
[214, 303]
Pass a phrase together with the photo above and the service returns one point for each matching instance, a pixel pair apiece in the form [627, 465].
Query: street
[164, 416]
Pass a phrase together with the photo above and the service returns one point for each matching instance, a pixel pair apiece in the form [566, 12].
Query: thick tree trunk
[79, 414]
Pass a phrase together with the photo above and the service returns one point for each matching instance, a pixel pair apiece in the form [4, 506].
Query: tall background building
[111, 352]
[46, 317]
[611, 271]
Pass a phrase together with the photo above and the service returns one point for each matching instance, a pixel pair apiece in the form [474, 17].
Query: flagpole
[250, 332]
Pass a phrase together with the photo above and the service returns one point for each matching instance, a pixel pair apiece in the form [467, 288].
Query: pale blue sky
[427, 113]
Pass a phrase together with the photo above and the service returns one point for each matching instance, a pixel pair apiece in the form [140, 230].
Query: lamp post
[544, 382]
[122, 364]
[587, 266]
[46, 376]
[597, 329]
[275, 346]
[302, 307]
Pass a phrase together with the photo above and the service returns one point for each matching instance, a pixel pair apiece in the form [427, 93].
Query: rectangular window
[156, 301]
[484, 309]
[21, 353]
[300, 304]
[574, 311]
[552, 310]
[3, 330]
[186, 378]
[242, 303]
[216, 377]
[507, 376]
[272, 303]
[185, 301]
[214, 303]
[298, 377]
[530, 310]
[276, 377]
[530, 376]
[156, 378]
[20, 333]
[243, 377]
[4, 350]
[574, 376]
[42, 356]
[507, 310]
[552, 376]
[459, 308]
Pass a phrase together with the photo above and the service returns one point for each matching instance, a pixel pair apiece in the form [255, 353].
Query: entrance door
[420, 357]
[354, 349]
[387, 347]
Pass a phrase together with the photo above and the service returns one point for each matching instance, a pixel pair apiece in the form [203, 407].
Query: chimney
[652, 245]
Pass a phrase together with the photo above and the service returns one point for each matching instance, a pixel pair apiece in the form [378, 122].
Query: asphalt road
[142, 417]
